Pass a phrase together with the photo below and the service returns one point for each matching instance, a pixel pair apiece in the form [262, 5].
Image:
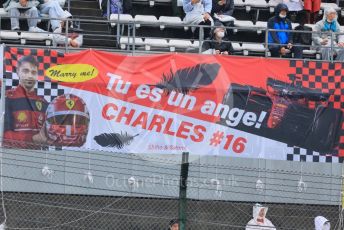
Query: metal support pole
[108, 9]
[66, 34]
[184, 171]
[331, 53]
[266, 42]
[118, 25]
[3, 97]
[200, 39]
[134, 36]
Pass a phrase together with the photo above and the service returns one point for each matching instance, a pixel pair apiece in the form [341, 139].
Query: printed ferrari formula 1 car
[290, 118]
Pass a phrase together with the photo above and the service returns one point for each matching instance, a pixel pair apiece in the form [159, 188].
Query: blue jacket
[187, 6]
[278, 23]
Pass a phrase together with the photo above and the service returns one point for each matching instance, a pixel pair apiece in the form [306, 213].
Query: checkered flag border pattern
[46, 58]
[329, 78]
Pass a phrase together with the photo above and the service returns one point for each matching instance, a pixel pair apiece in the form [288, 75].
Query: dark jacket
[226, 9]
[303, 38]
[278, 23]
[225, 45]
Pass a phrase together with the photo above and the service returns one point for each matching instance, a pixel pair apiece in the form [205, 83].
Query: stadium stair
[96, 34]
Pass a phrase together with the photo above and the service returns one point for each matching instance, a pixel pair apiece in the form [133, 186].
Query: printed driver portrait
[31, 123]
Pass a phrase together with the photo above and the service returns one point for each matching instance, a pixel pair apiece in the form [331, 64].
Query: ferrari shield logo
[39, 105]
[70, 104]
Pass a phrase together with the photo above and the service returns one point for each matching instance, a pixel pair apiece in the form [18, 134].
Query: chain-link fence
[101, 190]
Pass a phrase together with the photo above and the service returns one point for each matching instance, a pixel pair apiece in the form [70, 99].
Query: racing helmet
[67, 121]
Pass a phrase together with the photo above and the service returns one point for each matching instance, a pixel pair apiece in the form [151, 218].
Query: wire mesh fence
[98, 190]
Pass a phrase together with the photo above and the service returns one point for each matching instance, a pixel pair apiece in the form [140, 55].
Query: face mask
[282, 16]
[220, 34]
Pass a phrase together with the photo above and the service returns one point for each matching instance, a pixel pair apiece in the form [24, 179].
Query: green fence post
[184, 171]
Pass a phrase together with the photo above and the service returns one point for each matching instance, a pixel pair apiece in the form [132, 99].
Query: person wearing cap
[62, 38]
[322, 39]
[281, 42]
[321, 223]
[173, 225]
[218, 43]
[55, 11]
[312, 8]
[259, 221]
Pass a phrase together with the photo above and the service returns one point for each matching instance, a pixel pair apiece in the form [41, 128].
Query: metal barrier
[131, 46]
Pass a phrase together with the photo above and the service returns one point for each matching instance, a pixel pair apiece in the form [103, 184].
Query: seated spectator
[305, 38]
[117, 7]
[22, 8]
[281, 42]
[218, 43]
[73, 39]
[259, 221]
[198, 13]
[312, 8]
[222, 11]
[294, 6]
[322, 39]
[54, 10]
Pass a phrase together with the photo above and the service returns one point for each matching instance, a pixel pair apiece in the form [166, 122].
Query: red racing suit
[24, 117]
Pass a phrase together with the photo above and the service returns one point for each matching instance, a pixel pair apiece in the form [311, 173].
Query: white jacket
[321, 223]
[259, 212]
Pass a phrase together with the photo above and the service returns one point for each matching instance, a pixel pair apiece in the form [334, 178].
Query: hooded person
[322, 39]
[217, 43]
[321, 223]
[259, 221]
[281, 42]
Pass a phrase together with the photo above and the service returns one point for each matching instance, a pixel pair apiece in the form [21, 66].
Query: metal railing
[131, 34]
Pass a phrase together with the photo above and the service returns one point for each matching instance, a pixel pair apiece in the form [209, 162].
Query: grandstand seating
[157, 29]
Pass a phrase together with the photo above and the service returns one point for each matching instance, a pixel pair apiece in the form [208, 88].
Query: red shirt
[24, 117]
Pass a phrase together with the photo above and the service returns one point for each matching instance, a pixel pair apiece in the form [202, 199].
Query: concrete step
[98, 41]
[86, 12]
[84, 4]
[95, 27]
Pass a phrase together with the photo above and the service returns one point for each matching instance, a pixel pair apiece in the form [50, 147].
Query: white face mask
[282, 16]
[220, 34]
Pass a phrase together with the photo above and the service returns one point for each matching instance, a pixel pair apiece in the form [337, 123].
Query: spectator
[312, 8]
[218, 43]
[281, 42]
[321, 223]
[22, 8]
[53, 8]
[173, 225]
[295, 7]
[222, 11]
[117, 7]
[302, 38]
[322, 39]
[259, 221]
[198, 13]
[73, 39]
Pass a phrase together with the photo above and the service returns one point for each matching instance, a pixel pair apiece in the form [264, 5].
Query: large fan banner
[174, 103]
